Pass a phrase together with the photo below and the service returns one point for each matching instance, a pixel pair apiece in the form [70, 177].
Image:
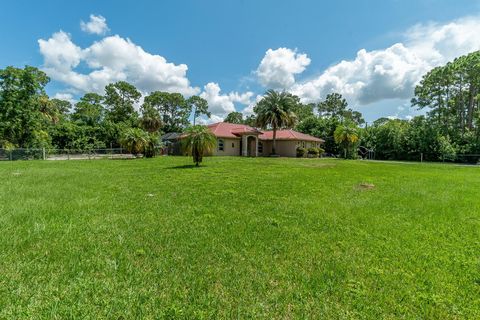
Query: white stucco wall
[231, 147]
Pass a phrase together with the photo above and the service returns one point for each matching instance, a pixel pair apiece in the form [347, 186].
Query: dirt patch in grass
[365, 186]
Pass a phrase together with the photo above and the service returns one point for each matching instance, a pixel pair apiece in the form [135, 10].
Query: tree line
[450, 94]
[30, 119]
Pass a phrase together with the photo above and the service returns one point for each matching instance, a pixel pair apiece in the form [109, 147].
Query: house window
[233, 144]
[220, 145]
[260, 147]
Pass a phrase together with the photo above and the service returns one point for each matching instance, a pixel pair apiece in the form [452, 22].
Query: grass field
[239, 238]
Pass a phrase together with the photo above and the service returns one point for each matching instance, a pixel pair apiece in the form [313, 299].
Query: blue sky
[218, 49]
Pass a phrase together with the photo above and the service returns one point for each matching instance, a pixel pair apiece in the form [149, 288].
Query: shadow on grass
[185, 166]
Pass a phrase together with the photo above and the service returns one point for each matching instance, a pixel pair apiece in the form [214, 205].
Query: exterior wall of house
[231, 147]
[286, 148]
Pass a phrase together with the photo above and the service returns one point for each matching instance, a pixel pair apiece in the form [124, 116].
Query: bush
[320, 151]
[134, 140]
[301, 152]
[313, 152]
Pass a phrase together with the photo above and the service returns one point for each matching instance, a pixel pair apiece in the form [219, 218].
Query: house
[243, 140]
[172, 143]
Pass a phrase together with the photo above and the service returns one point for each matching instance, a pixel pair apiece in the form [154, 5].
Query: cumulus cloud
[96, 25]
[248, 110]
[278, 67]
[392, 73]
[65, 96]
[222, 104]
[111, 59]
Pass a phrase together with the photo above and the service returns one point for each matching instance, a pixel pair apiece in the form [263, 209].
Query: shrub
[300, 152]
[134, 140]
[313, 152]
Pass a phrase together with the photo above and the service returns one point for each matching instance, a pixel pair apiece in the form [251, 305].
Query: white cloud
[247, 111]
[111, 59]
[222, 104]
[278, 68]
[60, 52]
[65, 96]
[392, 73]
[212, 119]
[96, 25]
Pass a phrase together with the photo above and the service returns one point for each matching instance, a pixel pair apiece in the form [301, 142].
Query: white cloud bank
[392, 73]
[369, 79]
[111, 59]
[96, 25]
[222, 104]
[278, 68]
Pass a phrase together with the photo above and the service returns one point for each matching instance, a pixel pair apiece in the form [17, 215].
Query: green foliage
[21, 96]
[173, 109]
[198, 142]
[312, 151]
[452, 95]
[301, 151]
[135, 140]
[276, 111]
[199, 107]
[321, 127]
[120, 98]
[89, 110]
[234, 117]
[347, 136]
[446, 149]
[335, 106]
[151, 121]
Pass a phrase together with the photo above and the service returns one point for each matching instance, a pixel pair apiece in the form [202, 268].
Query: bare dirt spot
[366, 186]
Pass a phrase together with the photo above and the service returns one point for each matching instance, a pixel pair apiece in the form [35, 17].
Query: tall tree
[151, 120]
[451, 93]
[334, 106]
[89, 110]
[199, 107]
[21, 94]
[120, 99]
[234, 117]
[275, 111]
[173, 109]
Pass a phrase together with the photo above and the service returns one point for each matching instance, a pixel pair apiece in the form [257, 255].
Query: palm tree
[135, 140]
[151, 120]
[199, 140]
[346, 135]
[275, 110]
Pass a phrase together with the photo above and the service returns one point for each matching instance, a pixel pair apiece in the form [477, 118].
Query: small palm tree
[134, 140]
[346, 135]
[275, 110]
[199, 140]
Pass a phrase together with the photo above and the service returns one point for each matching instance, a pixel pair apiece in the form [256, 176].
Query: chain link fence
[473, 159]
[69, 154]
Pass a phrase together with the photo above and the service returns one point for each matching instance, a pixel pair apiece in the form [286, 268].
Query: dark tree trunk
[471, 101]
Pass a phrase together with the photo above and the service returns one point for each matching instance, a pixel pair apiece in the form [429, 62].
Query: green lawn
[239, 238]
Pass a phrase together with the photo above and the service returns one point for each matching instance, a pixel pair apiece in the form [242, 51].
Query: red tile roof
[289, 135]
[230, 130]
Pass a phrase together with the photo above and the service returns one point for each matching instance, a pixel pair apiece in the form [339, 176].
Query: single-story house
[243, 140]
[172, 144]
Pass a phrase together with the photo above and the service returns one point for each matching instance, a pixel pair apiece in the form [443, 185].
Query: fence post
[421, 157]
[11, 151]
[43, 153]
